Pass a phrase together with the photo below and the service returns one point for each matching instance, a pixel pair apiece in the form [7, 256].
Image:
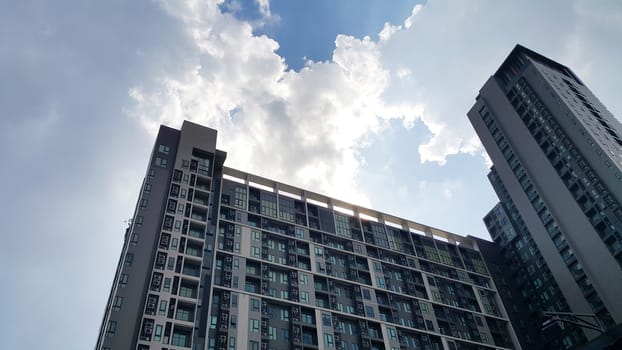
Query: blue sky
[356, 99]
[311, 36]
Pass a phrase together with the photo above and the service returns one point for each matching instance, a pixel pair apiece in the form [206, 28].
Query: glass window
[231, 343]
[180, 339]
[163, 149]
[255, 304]
[111, 329]
[284, 315]
[256, 235]
[424, 308]
[369, 311]
[123, 280]
[134, 239]
[300, 233]
[118, 301]
[254, 325]
[234, 321]
[129, 259]
[162, 310]
[157, 336]
[285, 334]
[326, 321]
[328, 340]
[161, 162]
[392, 333]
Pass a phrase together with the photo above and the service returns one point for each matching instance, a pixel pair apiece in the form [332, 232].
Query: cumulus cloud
[306, 127]
[309, 127]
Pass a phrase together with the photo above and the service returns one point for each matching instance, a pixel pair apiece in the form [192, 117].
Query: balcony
[196, 230]
[201, 198]
[202, 184]
[199, 214]
[192, 268]
[182, 337]
[188, 289]
[185, 312]
[194, 250]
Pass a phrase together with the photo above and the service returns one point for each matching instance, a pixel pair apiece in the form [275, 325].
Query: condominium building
[557, 155]
[526, 284]
[216, 258]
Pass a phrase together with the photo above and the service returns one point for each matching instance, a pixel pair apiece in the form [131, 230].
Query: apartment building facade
[216, 258]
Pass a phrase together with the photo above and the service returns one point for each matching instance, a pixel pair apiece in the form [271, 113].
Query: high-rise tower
[218, 259]
[557, 155]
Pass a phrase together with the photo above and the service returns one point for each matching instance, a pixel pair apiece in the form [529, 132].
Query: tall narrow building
[557, 155]
[218, 259]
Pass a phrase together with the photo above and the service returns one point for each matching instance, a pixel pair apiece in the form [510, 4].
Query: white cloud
[411, 19]
[452, 50]
[308, 127]
[264, 7]
[387, 31]
[305, 127]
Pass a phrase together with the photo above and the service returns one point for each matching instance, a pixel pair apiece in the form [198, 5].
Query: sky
[363, 100]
